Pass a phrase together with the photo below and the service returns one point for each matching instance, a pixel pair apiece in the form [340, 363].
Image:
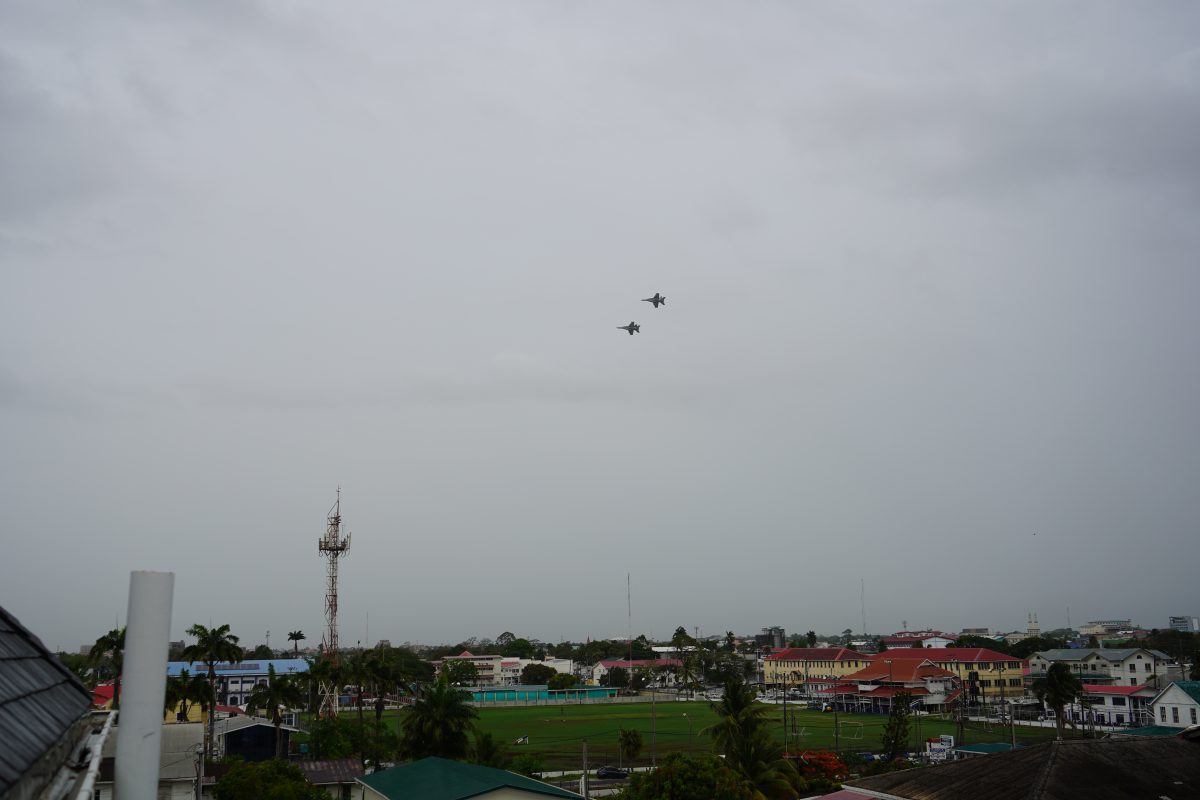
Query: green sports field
[556, 733]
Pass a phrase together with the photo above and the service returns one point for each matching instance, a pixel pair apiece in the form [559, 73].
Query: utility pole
[585, 770]
[837, 747]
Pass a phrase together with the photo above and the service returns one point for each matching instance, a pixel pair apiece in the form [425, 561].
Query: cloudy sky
[932, 319]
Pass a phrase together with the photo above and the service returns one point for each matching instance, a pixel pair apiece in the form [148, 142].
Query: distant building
[1106, 627]
[1185, 624]
[774, 636]
[487, 666]
[665, 668]
[1130, 666]
[975, 632]
[235, 682]
[927, 638]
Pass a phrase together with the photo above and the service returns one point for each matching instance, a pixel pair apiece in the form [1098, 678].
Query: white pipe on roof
[97, 745]
[139, 732]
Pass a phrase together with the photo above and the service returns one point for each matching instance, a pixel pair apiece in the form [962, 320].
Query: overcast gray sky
[932, 287]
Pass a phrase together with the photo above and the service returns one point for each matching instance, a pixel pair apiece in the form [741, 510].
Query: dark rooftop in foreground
[1096, 769]
[40, 702]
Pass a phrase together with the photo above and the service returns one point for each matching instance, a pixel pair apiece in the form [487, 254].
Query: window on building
[1118, 701]
[1174, 713]
[1133, 681]
[1162, 713]
[1133, 667]
[1147, 667]
[1120, 719]
[1014, 681]
[1192, 711]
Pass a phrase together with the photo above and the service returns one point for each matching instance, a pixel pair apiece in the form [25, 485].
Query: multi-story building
[1106, 627]
[511, 668]
[1110, 704]
[874, 688]
[774, 636]
[235, 682]
[1127, 666]
[1185, 624]
[487, 667]
[993, 674]
[800, 665]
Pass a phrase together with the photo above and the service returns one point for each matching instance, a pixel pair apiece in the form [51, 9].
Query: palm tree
[356, 672]
[212, 645]
[739, 716]
[297, 637]
[629, 740]
[111, 646]
[438, 723]
[741, 734]
[487, 752]
[276, 692]
[185, 690]
[1056, 688]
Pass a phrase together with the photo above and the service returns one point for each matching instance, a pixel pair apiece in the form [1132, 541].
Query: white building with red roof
[665, 669]
[927, 638]
[1119, 705]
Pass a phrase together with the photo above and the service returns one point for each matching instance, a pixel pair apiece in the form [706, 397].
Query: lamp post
[1012, 717]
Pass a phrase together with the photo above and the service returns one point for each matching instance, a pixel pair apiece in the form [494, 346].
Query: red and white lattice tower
[332, 546]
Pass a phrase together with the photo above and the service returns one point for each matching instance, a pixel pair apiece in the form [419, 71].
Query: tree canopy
[684, 777]
[266, 780]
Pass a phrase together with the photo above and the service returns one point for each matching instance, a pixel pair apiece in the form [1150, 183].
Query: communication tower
[332, 546]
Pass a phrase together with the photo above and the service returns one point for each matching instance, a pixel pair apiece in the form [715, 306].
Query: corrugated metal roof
[1103, 769]
[441, 779]
[331, 770]
[40, 700]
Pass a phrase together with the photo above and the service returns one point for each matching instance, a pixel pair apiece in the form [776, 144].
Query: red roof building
[996, 674]
[795, 665]
[874, 688]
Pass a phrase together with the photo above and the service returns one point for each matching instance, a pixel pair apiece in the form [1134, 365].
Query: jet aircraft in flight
[658, 300]
[632, 327]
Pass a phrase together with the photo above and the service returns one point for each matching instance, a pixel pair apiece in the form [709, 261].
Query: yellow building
[998, 674]
[796, 665]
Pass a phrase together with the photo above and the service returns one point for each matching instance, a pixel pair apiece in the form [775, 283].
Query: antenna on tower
[862, 598]
[332, 546]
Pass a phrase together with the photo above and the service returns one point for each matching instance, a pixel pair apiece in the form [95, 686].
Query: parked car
[612, 773]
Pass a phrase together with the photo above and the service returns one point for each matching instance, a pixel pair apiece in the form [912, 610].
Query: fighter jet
[632, 327]
[658, 300]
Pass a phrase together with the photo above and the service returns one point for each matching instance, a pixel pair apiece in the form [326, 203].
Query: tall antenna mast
[332, 546]
[629, 611]
[862, 598]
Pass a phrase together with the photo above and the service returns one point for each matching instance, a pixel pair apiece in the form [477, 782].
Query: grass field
[556, 732]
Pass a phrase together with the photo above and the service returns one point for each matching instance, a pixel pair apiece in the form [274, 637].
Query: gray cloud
[930, 275]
